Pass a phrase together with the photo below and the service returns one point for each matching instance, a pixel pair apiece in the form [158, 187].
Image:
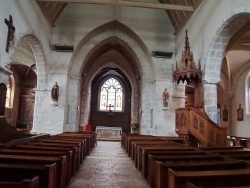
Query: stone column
[39, 115]
[210, 101]
[85, 108]
[135, 108]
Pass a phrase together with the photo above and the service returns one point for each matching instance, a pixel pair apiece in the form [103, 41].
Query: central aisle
[108, 166]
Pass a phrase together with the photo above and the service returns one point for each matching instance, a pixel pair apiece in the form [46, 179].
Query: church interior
[124, 93]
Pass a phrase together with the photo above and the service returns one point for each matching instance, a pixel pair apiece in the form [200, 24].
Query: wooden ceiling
[179, 11]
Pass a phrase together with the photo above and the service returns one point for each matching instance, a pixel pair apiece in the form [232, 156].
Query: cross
[11, 30]
[110, 111]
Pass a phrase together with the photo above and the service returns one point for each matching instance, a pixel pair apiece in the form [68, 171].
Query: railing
[238, 141]
[191, 121]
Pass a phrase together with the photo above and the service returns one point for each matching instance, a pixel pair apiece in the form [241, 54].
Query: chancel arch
[115, 113]
[111, 57]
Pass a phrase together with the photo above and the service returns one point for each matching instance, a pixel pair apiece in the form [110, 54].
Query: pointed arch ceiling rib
[179, 11]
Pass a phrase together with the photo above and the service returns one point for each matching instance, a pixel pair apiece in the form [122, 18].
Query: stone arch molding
[232, 23]
[104, 32]
[35, 51]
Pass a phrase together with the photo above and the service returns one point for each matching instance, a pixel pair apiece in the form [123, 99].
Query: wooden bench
[216, 178]
[76, 153]
[26, 183]
[149, 168]
[46, 153]
[138, 143]
[221, 148]
[60, 161]
[90, 139]
[129, 138]
[80, 143]
[159, 178]
[69, 152]
[17, 172]
[142, 156]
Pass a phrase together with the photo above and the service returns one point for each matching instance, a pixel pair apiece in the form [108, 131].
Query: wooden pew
[45, 153]
[129, 138]
[26, 183]
[221, 148]
[159, 156]
[138, 143]
[76, 153]
[129, 141]
[90, 139]
[81, 143]
[216, 178]
[17, 172]
[73, 169]
[142, 156]
[78, 146]
[159, 177]
[60, 161]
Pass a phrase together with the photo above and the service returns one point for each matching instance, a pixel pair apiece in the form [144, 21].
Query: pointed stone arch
[218, 46]
[94, 46]
[101, 33]
[40, 60]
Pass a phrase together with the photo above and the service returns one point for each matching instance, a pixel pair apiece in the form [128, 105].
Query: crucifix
[110, 111]
[11, 30]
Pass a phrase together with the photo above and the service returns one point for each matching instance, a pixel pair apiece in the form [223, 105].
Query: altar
[108, 132]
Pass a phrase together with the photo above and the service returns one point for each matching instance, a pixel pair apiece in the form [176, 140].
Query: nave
[108, 166]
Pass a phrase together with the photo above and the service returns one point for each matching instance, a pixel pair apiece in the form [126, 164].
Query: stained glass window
[8, 94]
[111, 96]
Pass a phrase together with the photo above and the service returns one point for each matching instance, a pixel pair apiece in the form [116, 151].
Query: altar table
[103, 131]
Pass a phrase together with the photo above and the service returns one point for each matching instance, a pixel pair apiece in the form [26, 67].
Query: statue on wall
[165, 97]
[225, 114]
[240, 113]
[55, 92]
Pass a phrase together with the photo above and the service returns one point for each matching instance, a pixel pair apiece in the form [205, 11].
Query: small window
[111, 96]
[247, 93]
[9, 94]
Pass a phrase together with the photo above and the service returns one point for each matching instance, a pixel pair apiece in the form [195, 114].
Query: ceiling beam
[127, 3]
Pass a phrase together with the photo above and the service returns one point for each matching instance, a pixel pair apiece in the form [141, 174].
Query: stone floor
[108, 166]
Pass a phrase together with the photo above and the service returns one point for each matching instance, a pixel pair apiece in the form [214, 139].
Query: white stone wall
[148, 34]
[27, 19]
[208, 39]
[240, 128]
[151, 30]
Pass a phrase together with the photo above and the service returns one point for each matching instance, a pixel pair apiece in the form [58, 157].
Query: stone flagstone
[108, 166]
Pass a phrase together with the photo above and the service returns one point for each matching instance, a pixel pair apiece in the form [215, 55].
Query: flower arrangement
[135, 126]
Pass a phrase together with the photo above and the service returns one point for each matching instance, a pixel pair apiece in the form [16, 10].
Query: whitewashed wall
[205, 29]
[150, 26]
[27, 19]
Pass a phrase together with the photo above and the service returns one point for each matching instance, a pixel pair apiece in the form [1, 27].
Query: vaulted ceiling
[179, 11]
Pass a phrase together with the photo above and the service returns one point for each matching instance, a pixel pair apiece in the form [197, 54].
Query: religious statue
[165, 97]
[55, 92]
[225, 114]
[240, 113]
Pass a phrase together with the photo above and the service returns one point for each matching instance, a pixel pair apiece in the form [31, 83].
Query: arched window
[9, 93]
[111, 96]
[247, 93]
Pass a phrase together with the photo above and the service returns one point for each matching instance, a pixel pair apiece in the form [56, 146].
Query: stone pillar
[210, 101]
[38, 121]
[230, 113]
[135, 108]
[73, 108]
[85, 108]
